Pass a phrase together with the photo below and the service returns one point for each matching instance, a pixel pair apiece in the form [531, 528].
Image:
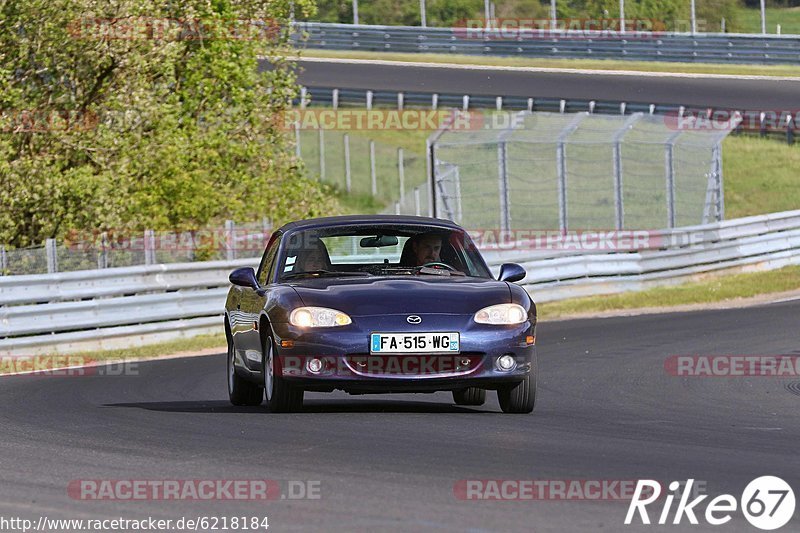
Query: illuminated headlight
[318, 317]
[501, 314]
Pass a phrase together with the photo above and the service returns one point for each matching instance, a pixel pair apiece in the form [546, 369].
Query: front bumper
[347, 364]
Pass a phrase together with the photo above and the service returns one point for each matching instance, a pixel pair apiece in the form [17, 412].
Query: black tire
[281, 397]
[518, 398]
[469, 396]
[241, 391]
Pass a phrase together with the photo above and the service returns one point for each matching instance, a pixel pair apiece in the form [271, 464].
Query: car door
[247, 338]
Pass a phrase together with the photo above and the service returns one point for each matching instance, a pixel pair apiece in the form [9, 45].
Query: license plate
[446, 342]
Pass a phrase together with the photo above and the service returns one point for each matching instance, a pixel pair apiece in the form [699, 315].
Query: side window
[267, 262]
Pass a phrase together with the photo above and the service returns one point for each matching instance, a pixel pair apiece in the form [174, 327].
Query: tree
[138, 115]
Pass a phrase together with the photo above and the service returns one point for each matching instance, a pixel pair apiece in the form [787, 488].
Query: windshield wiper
[322, 273]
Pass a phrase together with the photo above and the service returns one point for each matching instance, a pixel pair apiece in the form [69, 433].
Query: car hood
[417, 295]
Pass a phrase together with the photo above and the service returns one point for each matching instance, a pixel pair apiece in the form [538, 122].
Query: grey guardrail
[120, 307]
[700, 47]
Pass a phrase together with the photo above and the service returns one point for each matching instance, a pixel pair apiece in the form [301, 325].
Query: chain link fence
[579, 171]
[109, 250]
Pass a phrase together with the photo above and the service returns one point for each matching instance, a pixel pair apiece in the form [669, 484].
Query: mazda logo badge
[413, 319]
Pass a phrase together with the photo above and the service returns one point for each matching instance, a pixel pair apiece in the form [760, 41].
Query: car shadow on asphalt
[309, 406]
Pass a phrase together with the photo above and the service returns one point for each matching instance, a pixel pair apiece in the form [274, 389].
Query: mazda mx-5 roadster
[378, 304]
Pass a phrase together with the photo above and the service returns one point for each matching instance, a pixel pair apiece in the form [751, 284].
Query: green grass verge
[593, 64]
[717, 289]
[192, 344]
[760, 176]
[789, 19]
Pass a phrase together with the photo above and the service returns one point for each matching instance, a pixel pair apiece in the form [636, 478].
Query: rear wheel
[281, 397]
[469, 396]
[241, 391]
[520, 397]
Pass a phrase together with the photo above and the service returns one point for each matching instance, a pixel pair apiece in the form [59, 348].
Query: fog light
[314, 365]
[506, 363]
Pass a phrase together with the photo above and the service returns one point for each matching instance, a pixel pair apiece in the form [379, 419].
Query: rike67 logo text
[767, 502]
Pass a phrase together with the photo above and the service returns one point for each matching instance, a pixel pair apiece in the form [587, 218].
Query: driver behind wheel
[426, 248]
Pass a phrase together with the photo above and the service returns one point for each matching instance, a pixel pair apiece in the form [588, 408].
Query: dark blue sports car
[378, 304]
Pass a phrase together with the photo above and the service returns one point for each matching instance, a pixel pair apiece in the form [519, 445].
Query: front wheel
[241, 391]
[469, 396]
[281, 397]
[518, 398]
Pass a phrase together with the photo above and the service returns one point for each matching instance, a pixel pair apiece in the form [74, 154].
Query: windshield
[380, 250]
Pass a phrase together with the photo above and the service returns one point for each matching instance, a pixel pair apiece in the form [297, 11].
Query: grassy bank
[716, 289]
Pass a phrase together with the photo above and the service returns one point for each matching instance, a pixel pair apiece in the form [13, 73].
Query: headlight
[501, 314]
[318, 317]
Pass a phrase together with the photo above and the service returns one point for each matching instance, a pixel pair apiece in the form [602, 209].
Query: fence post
[401, 174]
[347, 182]
[718, 177]
[321, 154]
[335, 98]
[619, 205]
[502, 177]
[372, 173]
[149, 247]
[102, 259]
[669, 162]
[3, 260]
[400, 102]
[435, 101]
[416, 201]
[397, 208]
[369, 100]
[230, 240]
[297, 139]
[52, 258]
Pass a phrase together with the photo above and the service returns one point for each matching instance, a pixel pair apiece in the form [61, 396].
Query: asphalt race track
[607, 410]
[732, 92]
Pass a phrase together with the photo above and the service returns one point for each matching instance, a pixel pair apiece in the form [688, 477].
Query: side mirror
[511, 272]
[244, 277]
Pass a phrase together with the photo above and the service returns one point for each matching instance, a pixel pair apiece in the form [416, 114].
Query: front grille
[413, 365]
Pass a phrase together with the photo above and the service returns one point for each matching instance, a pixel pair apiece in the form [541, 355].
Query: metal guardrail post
[230, 240]
[335, 98]
[369, 100]
[397, 208]
[416, 201]
[373, 175]
[400, 98]
[401, 174]
[3, 260]
[347, 179]
[52, 257]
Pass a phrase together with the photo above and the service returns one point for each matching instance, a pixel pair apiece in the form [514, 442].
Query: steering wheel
[439, 264]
